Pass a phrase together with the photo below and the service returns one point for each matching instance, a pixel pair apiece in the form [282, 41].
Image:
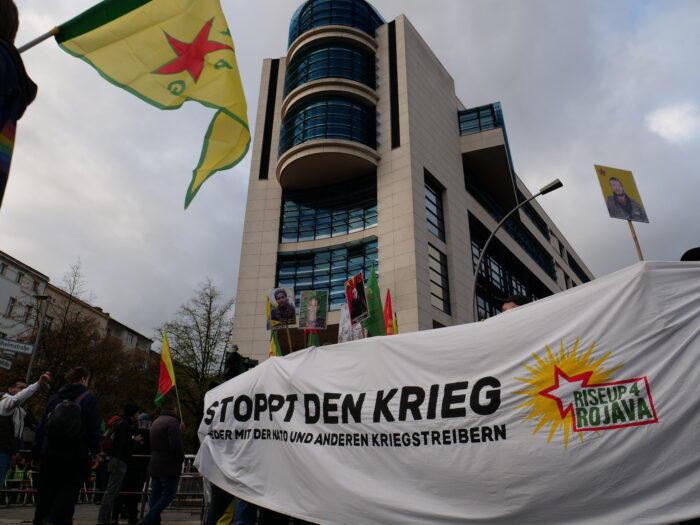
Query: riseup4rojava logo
[571, 391]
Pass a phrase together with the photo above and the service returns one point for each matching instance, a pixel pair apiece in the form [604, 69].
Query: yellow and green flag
[166, 380]
[167, 52]
[275, 348]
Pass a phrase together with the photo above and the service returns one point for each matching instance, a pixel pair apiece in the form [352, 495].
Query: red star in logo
[601, 171]
[190, 57]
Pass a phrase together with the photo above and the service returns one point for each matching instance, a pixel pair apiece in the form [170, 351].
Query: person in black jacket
[65, 458]
[136, 471]
[125, 436]
[17, 90]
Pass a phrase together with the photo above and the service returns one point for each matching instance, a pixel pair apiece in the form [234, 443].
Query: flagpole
[179, 407]
[38, 40]
[636, 241]
[289, 339]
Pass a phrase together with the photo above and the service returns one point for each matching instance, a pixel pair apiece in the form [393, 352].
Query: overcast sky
[101, 176]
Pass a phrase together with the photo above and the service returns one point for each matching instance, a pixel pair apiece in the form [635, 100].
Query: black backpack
[64, 424]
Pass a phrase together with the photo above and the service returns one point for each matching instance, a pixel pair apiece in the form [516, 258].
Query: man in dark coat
[166, 461]
[125, 436]
[65, 459]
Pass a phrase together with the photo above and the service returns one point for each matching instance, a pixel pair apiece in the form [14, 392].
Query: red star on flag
[190, 56]
[562, 393]
[601, 171]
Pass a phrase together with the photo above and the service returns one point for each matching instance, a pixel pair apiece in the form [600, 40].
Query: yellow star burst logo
[542, 375]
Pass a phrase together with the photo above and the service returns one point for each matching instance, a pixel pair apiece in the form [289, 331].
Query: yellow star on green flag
[167, 52]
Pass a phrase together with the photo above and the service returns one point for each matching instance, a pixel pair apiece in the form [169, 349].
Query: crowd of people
[70, 444]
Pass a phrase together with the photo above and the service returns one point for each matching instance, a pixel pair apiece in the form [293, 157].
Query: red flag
[388, 314]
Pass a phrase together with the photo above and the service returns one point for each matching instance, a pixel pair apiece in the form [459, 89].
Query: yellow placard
[620, 192]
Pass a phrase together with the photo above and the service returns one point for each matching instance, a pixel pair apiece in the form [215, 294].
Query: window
[433, 208]
[337, 60]
[501, 273]
[329, 211]
[28, 313]
[3, 268]
[439, 282]
[353, 13]
[48, 322]
[577, 269]
[130, 339]
[333, 117]
[35, 286]
[326, 268]
[480, 119]
[19, 277]
[10, 306]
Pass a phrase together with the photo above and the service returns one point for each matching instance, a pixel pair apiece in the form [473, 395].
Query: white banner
[579, 408]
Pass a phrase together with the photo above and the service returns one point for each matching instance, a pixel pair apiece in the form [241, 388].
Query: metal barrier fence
[21, 486]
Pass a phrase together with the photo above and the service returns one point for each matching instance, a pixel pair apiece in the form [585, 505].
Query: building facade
[23, 291]
[19, 286]
[363, 155]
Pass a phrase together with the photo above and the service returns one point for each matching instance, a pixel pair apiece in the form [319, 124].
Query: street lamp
[554, 185]
[47, 300]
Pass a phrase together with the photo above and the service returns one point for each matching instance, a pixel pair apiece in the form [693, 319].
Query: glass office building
[363, 156]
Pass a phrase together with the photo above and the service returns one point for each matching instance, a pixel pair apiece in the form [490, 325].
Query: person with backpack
[66, 439]
[118, 443]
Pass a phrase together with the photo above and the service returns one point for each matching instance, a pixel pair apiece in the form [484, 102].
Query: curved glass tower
[364, 156]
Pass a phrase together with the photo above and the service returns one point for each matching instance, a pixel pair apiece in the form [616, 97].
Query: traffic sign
[5, 363]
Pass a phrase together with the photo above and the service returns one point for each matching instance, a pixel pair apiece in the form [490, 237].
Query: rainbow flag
[166, 380]
[167, 52]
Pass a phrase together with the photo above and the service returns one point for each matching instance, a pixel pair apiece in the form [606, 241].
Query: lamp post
[47, 301]
[554, 185]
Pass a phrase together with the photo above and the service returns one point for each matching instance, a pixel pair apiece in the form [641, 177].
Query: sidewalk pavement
[86, 514]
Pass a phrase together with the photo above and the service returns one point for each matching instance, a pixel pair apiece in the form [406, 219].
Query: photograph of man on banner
[356, 298]
[282, 307]
[313, 309]
[621, 195]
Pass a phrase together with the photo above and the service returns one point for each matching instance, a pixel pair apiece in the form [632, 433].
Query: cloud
[678, 123]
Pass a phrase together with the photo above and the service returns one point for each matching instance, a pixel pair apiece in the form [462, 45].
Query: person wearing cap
[513, 301]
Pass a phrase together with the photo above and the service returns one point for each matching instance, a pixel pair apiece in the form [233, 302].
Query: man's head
[513, 301]
[616, 186]
[281, 297]
[131, 411]
[355, 293]
[169, 406]
[79, 375]
[9, 20]
[16, 386]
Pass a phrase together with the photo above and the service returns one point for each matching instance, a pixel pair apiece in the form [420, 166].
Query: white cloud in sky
[677, 123]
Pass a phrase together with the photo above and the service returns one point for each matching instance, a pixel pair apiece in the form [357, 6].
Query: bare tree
[199, 336]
